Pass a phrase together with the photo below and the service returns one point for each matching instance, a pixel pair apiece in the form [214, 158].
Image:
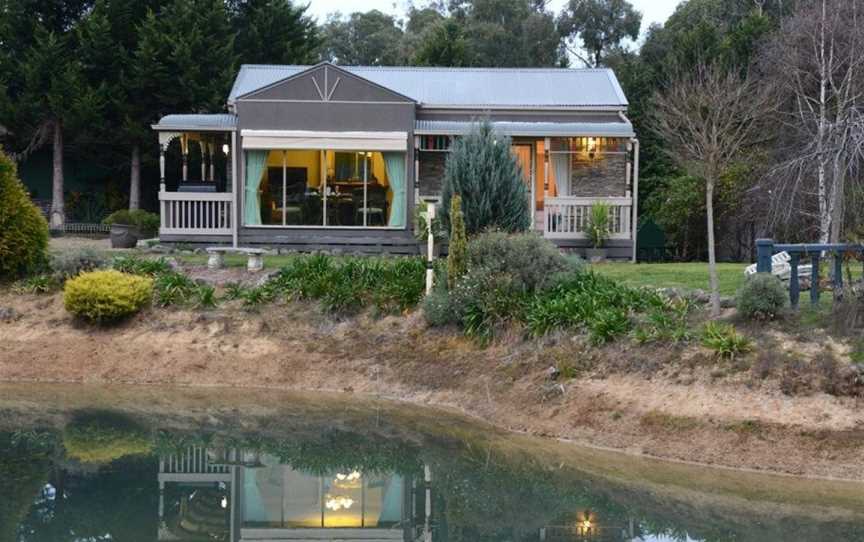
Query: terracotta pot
[124, 236]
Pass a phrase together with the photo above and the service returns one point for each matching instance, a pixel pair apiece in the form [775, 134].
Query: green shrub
[437, 308]
[104, 296]
[666, 322]
[598, 223]
[607, 324]
[762, 297]
[481, 168]
[23, 229]
[533, 262]
[141, 266]
[71, 263]
[147, 223]
[724, 340]
[457, 255]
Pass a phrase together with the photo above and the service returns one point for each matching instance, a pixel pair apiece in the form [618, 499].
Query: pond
[134, 464]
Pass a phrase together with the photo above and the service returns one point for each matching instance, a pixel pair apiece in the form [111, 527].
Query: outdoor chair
[781, 268]
[376, 205]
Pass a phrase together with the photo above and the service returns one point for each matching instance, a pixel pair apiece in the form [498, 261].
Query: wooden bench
[254, 263]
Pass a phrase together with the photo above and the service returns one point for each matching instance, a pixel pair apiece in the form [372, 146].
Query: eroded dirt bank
[665, 402]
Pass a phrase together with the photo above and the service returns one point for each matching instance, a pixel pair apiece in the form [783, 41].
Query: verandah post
[764, 251]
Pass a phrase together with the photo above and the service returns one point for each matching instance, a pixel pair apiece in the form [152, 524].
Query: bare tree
[709, 119]
[816, 58]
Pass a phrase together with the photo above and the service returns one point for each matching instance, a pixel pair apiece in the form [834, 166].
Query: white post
[430, 248]
[203, 147]
[284, 186]
[235, 183]
[162, 206]
[634, 222]
[212, 148]
[427, 526]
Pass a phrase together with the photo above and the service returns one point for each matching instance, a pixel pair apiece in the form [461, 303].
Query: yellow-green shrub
[23, 229]
[103, 296]
[104, 438]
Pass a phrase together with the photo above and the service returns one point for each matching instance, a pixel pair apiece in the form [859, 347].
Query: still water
[95, 463]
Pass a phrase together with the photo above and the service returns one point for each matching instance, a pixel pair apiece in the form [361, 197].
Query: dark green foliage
[483, 171]
[444, 44]
[457, 255]
[762, 297]
[534, 262]
[23, 230]
[275, 32]
[172, 288]
[369, 38]
[584, 299]
[147, 223]
[69, 263]
[348, 285]
[141, 266]
[24, 469]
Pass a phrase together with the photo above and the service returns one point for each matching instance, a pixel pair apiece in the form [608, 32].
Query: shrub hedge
[23, 229]
[105, 296]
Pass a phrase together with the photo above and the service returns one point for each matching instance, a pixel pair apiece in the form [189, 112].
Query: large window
[326, 188]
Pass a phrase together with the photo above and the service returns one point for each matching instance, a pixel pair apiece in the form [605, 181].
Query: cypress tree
[483, 171]
[274, 32]
[457, 255]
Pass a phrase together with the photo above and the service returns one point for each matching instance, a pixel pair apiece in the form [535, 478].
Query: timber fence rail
[836, 252]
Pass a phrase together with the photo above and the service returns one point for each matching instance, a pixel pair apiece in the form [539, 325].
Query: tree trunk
[822, 191]
[712, 258]
[135, 179]
[58, 212]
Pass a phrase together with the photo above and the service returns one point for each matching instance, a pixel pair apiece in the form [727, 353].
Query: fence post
[794, 284]
[814, 279]
[838, 271]
[430, 248]
[764, 251]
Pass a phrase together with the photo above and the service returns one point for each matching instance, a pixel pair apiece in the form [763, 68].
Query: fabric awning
[348, 141]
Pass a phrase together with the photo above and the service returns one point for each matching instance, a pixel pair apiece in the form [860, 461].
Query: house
[326, 156]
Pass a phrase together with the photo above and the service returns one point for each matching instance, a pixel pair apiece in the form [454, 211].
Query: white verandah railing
[195, 213]
[567, 217]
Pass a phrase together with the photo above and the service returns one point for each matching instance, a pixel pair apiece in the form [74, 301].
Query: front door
[524, 153]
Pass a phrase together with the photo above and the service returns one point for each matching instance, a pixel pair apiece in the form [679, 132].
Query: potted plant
[597, 229]
[128, 227]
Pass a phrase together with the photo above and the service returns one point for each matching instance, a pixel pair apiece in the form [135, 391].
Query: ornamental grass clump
[762, 297]
[106, 296]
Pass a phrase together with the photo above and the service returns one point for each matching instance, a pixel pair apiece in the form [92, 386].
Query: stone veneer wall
[605, 175]
[431, 174]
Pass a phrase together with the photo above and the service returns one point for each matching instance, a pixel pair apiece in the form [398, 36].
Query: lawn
[675, 275]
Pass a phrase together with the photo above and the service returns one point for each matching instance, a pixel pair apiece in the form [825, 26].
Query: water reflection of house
[235, 495]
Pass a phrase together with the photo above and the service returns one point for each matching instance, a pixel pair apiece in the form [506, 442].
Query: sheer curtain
[561, 165]
[256, 162]
[394, 162]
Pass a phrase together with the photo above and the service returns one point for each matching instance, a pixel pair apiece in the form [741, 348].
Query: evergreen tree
[483, 171]
[107, 39]
[368, 39]
[184, 60]
[274, 32]
[444, 44]
[54, 97]
[457, 253]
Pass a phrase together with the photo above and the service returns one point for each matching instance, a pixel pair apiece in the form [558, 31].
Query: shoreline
[294, 348]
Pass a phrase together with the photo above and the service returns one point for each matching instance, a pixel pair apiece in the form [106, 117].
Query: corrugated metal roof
[545, 129]
[218, 121]
[468, 87]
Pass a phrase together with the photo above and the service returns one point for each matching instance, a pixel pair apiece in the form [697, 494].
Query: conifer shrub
[146, 222]
[762, 297]
[482, 170]
[23, 229]
[106, 296]
[457, 255]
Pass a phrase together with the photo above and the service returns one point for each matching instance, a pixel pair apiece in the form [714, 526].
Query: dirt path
[724, 421]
